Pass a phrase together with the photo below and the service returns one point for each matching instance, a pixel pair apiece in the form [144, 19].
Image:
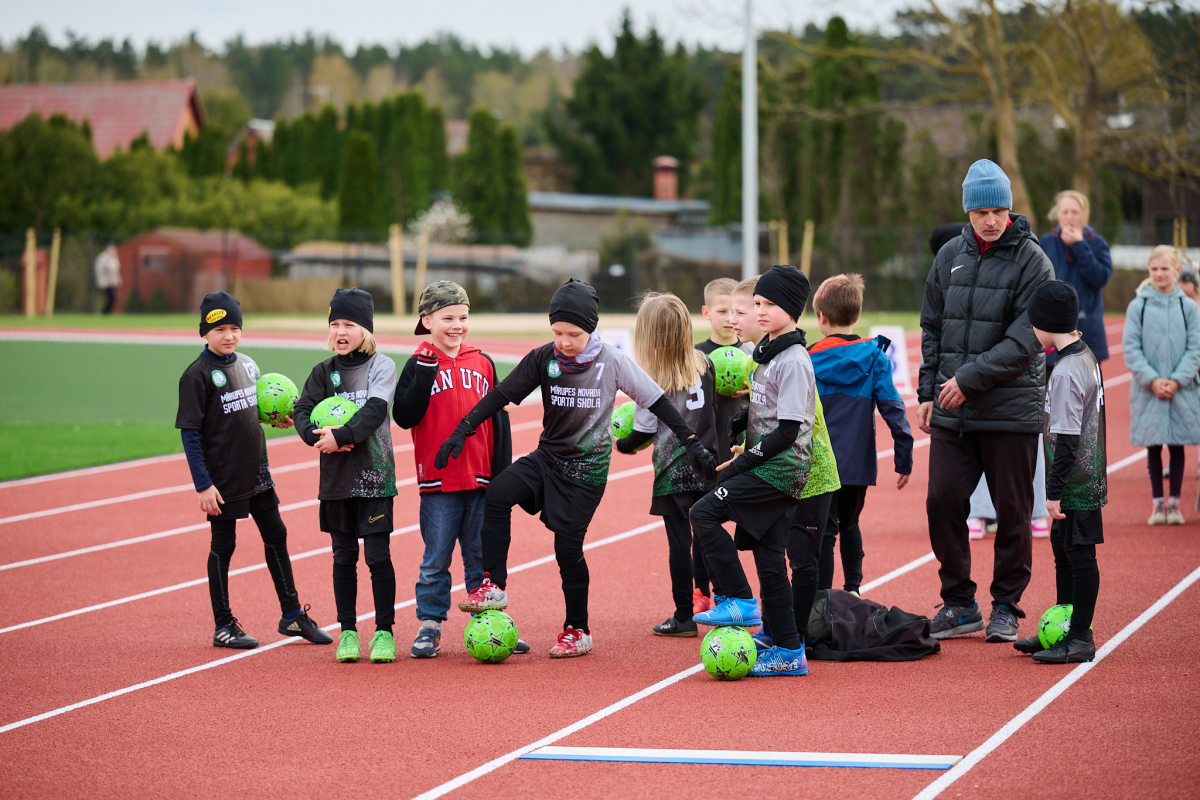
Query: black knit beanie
[1054, 307]
[219, 308]
[786, 287]
[354, 305]
[575, 302]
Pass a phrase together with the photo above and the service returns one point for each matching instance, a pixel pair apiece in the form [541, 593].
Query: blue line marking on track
[756, 758]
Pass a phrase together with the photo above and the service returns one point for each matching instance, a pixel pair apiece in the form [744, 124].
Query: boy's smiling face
[347, 336]
[449, 326]
[223, 339]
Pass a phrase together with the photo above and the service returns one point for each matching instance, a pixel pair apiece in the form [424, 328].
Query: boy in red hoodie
[439, 384]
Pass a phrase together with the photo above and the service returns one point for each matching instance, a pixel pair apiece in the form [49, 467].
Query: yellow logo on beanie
[215, 315]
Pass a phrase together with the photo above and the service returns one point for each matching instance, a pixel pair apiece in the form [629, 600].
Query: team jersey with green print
[696, 404]
[1075, 406]
[823, 478]
[784, 389]
[577, 407]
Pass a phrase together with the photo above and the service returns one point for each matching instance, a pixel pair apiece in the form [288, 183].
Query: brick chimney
[666, 178]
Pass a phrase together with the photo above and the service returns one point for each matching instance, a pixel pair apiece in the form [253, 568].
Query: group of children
[788, 459]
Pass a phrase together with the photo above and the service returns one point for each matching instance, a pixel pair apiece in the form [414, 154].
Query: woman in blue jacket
[1080, 257]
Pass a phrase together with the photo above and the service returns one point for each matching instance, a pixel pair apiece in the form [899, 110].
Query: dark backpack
[843, 627]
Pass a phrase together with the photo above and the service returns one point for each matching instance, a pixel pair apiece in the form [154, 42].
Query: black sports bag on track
[843, 627]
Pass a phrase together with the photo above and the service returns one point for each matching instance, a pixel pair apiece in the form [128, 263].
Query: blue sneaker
[956, 620]
[778, 661]
[731, 611]
[762, 641]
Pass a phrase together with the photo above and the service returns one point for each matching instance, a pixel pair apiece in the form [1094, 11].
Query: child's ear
[704, 311]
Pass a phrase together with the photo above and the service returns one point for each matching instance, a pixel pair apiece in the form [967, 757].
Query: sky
[527, 25]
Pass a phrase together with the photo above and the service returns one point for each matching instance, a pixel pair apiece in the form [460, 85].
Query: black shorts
[757, 507]
[675, 505]
[566, 504]
[1084, 528]
[240, 509]
[357, 516]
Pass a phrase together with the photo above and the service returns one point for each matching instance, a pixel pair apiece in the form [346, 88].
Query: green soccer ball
[622, 420]
[728, 653]
[332, 411]
[729, 368]
[1054, 625]
[277, 397]
[490, 637]
[751, 364]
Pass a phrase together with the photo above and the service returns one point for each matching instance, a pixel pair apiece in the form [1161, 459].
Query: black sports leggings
[1076, 573]
[679, 540]
[220, 551]
[377, 554]
[1155, 465]
[506, 491]
[844, 512]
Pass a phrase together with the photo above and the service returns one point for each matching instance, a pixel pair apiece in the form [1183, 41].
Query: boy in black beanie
[564, 478]
[760, 488]
[1076, 469]
[227, 455]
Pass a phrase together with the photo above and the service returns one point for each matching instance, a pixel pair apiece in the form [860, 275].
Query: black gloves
[453, 446]
[737, 424]
[427, 358]
[700, 459]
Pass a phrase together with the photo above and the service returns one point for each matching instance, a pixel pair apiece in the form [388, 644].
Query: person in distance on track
[358, 467]
[439, 384]
[1077, 466]
[227, 455]
[564, 478]
[662, 339]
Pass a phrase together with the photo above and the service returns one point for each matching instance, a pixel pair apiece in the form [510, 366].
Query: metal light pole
[749, 150]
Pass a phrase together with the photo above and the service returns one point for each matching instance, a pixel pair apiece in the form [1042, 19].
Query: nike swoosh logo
[960, 266]
[374, 519]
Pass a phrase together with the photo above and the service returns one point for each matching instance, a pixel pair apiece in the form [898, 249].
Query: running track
[94, 702]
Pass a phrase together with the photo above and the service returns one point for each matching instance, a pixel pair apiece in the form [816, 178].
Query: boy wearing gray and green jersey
[1076, 469]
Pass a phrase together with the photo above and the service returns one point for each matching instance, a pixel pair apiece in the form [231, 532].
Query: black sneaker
[955, 621]
[305, 626]
[1067, 651]
[522, 648]
[233, 636]
[1002, 625]
[1028, 646]
[673, 627]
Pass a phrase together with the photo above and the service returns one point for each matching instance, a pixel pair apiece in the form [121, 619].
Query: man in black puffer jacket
[981, 390]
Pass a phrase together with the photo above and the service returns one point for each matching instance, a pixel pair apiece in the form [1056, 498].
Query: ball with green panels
[729, 370]
[622, 422]
[277, 397]
[332, 411]
[751, 364]
[728, 653]
[490, 637]
[1054, 625]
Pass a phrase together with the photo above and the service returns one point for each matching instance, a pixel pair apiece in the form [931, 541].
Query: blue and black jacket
[854, 376]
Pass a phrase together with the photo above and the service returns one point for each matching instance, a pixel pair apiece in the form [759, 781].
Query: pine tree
[515, 219]
[406, 159]
[479, 187]
[439, 161]
[359, 210]
[725, 202]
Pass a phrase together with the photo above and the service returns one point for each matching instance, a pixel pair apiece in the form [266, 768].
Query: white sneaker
[974, 528]
[1041, 528]
[1174, 515]
[572, 642]
[486, 597]
[1159, 515]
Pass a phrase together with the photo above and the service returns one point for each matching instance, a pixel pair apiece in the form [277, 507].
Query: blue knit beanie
[986, 186]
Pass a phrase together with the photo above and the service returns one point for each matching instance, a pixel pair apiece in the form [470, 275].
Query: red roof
[210, 242]
[118, 112]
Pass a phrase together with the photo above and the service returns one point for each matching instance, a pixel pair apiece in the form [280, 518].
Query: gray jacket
[1162, 340]
[974, 327]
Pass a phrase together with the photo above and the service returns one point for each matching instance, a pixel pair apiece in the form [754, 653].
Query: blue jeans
[446, 518]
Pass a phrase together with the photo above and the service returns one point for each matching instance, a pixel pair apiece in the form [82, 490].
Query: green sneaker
[348, 647]
[383, 647]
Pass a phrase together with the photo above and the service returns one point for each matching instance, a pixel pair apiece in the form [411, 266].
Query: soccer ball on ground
[1054, 625]
[277, 397]
[332, 411]
[728, 653]
[729, 370]
[490, 636]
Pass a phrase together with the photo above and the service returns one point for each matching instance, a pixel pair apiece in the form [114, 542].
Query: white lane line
[183, 487]
[754, 758]
[1016, 723]
[292, 640]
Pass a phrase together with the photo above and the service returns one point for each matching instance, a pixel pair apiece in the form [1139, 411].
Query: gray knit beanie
[986, 186]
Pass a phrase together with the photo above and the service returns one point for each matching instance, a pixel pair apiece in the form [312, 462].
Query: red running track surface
[288, 720]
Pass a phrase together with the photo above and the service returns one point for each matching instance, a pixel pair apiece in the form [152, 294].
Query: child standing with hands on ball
[564, 478]
[227, 455]
[1076, 467]
[760, 488]
[358, 467]
[439, 384]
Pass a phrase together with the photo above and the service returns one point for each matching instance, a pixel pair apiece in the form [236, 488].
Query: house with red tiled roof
[183, 265]
[118, 112]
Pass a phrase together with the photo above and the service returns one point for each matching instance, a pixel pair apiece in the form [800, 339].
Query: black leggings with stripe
[279, 564]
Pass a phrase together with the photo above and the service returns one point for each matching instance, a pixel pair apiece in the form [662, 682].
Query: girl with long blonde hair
[664, 346]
